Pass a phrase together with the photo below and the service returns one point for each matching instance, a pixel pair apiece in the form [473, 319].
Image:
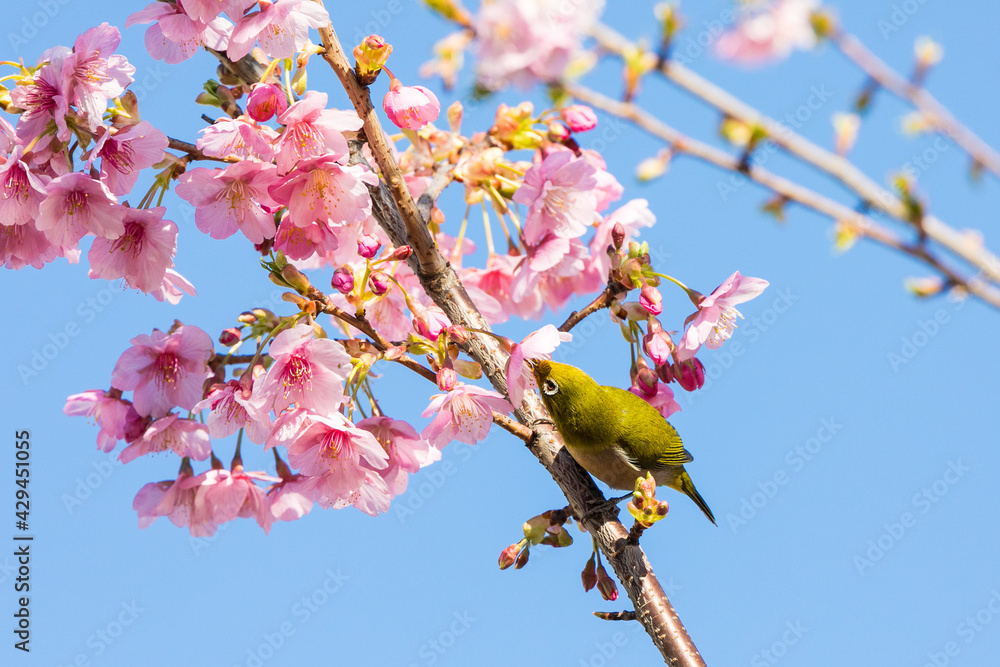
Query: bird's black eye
[550, 387]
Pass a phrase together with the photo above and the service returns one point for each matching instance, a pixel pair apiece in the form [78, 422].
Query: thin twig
[936, 113]
[195, 153]
[863, 225]
[872, 194]
[603, 300]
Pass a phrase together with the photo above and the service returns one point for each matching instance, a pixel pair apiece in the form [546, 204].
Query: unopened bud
[230, 337]
[295, 278]
[690, 374]
[343, 280]
[368, 245]
[399, 254]
[379, 283]
[558, 133]
[509, 555]
[651, 300]
[618, 235]
[589, 574]
[579, 118]
[246, 317]
[370, 56]
[447, 378]
[606, 585]
[265, 317]
[454, 112]
[458, 334]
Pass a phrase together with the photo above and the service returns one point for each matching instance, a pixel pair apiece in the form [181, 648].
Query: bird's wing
[671, 454]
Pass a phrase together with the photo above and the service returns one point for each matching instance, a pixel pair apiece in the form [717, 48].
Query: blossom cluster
[293, 182]
[47, 206]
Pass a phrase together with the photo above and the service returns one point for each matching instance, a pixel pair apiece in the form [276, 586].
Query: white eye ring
[550, 387]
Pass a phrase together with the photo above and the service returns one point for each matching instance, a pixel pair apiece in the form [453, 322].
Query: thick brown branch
[401, 220]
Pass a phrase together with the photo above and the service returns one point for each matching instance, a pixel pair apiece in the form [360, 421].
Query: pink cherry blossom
[127, 152]
[165, 370]
[342, 457]
[771, 33]
[281, 28]
[372, 497]
[93, 74]
[523, 41]
[496, 280]
[465, 414]
[265, 101]
[21, 190]
[555, 269]
[170, 499]
[291, 498]
[224, 495]
[23, 245]
[410, 107]
[663, 399]
[173, 288]
[238, 137]
[559, 193]
[537, 345]
[715, 319]
[608, 189]
[312, 130]
[175, 36]
[107, 409]
[428, 321]
[305, 242]
[306, 370]
[42, 97]
[184, 437]
[141, 255]
[77, 205]
[206, 10]
[323, 190]
[231, 409]
[407, 451]
[230, 199]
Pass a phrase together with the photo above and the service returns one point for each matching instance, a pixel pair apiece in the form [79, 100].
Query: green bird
[615, 435]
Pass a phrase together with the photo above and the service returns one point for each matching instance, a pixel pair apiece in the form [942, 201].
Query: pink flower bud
[618, 235]
[658, 345]
[650, 299]
[690, 374]
[265, 101]
[343, 280]
[295, 278]
[446, 379]
[230, 337]
[410, 107]
[399, 254]
[458, 334]
[645, 379]
[379, 283]
[368, 245]
[509, 555]
[429, 322]
[558, 133]
[580, 118]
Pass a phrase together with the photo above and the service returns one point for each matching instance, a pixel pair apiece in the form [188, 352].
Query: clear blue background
[420, 586]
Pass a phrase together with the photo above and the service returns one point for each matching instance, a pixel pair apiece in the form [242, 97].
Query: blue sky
[854, 494]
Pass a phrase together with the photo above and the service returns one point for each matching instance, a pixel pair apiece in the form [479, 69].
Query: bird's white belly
[608, 465]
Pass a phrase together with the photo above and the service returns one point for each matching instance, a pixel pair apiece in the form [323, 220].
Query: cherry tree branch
[400, 218]
[861, 224]
[871, 193]
[603, 300]
[936, 114]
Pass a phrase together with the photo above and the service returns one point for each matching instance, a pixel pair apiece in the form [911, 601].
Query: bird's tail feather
[687, 488]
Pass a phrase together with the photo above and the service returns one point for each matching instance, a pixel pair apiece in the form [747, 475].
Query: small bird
[615, 435]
